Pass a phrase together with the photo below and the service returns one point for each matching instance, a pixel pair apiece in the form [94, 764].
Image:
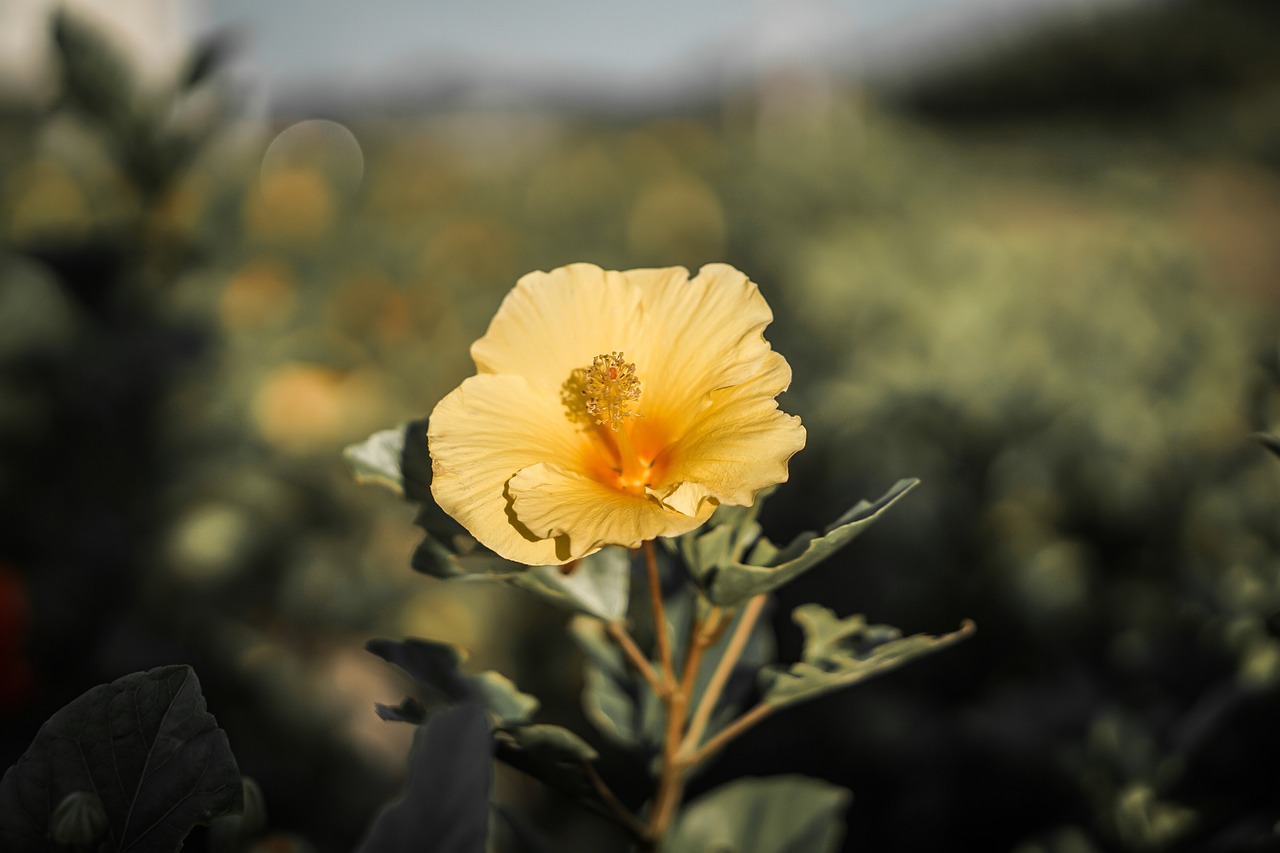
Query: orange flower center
[611, 388]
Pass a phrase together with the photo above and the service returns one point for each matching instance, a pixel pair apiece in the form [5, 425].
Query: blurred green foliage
[1053, 326]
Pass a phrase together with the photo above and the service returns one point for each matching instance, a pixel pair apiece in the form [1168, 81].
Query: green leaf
[842, 652]
[397, 459]
[376, 460]
[505, 702]
[145, 745]
[715, 557]
[598, 585]
[554, 742]
[780, 814]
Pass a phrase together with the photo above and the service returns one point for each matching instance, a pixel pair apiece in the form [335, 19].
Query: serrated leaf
[841, 652]
[445, 804]
[149, 749]
[724, 540]
[732, 580]
[779, 814]
[505, 702]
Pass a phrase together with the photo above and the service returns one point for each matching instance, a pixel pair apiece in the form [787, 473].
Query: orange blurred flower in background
[611, 408]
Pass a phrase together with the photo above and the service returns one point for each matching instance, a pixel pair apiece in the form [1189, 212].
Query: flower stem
[659, 615]
[671, 782]
[732, 653]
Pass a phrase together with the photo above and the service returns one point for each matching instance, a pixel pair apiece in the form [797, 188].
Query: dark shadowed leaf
[433, 665]
[145, 746]
[552, 754]
[409, 710]
[780, 814]
[209, 56]
[1270, 442]
[445, 804]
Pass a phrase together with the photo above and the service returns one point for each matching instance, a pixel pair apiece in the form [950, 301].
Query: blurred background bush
[1033, 260]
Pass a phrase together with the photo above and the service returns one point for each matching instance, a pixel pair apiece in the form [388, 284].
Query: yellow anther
[611, 388]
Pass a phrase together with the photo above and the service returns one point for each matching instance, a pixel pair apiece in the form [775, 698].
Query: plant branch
[719, 678]
[616, 811]
[618, 631]
[729, 732]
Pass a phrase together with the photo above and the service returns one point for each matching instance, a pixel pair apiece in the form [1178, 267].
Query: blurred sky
[337, 48]
[301, 43]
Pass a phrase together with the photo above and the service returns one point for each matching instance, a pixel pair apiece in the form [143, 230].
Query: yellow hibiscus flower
[610, 408]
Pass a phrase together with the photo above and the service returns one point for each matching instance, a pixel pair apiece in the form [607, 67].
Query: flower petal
[582, 515]
[481, 434]
[554, 323]
[740, 442]
[701, 334]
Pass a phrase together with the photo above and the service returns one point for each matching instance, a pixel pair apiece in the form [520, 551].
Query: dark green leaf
[145, 745]
[842, 652]
[780, 814]
[445, 804]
